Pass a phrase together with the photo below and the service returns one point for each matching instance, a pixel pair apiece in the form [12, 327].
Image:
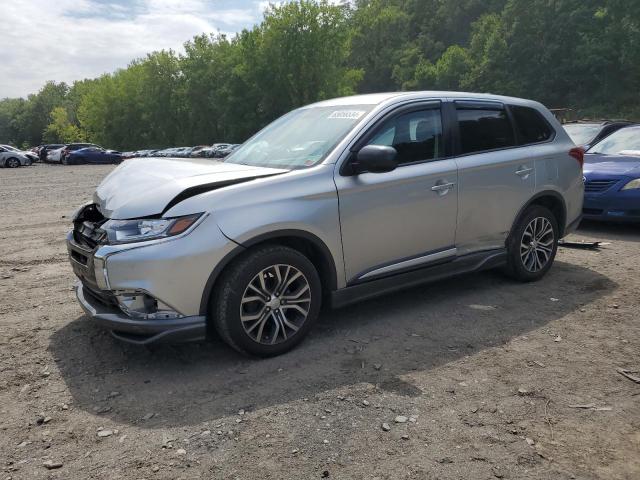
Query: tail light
[578, 154]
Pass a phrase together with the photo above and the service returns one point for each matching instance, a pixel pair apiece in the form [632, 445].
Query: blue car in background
[93, 154]
[612, 177]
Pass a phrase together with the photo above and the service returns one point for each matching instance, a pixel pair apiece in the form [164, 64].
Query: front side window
[417, 136]
[300, 139]
[530, 125]
[484, 129]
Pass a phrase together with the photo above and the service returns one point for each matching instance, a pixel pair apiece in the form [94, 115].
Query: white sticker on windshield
[347, 114]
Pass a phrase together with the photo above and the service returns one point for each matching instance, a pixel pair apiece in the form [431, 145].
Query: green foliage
[61, 130]
[581, 54]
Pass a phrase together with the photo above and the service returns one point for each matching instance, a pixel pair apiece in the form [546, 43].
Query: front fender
[302, 201]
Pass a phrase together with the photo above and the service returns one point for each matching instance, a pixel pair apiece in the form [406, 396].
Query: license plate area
[81, 262]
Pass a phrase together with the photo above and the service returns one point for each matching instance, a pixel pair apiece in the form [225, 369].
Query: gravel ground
[472, 378]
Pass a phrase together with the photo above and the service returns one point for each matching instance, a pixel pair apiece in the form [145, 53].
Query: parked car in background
[225, 150]
[612, 177]
[44, 150]
[30, 155]
[72, 147]
[586, 133]
[167, 152]
[137, 154]
[206, 152]
[195, 151]
[93, 155]
[339, 201]
[13, 158]
[55, 155]
[145, 153]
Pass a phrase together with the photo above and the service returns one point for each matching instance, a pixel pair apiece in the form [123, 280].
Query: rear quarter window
[484, 129]
[530, 125]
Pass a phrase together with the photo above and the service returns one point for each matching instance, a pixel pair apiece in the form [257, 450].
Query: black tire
[225, 310]
[528, 258]
[12, 163]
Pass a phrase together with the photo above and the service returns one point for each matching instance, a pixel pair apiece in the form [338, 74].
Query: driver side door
[404, 219]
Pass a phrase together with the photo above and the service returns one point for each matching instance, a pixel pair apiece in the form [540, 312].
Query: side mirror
[375, 159]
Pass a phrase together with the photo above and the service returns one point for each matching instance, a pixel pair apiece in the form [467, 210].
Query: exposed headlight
[632, 184]
[140, 230]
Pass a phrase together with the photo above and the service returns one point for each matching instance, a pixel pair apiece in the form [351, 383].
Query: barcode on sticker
[347, 114]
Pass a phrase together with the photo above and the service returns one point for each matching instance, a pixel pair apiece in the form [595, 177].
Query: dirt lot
[484, 371]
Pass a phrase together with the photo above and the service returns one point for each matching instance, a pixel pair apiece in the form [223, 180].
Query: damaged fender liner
[209, 187]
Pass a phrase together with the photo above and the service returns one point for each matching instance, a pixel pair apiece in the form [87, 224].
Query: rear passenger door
[495, 177]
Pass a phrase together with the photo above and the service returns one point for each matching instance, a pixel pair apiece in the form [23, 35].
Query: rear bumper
[140, 332]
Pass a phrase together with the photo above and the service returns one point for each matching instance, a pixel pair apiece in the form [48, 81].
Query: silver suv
[335, 202]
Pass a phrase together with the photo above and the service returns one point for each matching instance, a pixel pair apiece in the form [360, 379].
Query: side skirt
[466, 264]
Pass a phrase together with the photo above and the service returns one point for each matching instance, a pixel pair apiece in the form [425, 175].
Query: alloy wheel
[13, 163]
[536, 245]
[275, 304]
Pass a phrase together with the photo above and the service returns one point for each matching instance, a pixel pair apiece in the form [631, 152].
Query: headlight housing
[633, 184]
[143, 229]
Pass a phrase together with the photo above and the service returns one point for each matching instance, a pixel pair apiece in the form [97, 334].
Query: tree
[61, 130]
[303, 50]
[450, 72]
[35, 117]
[583, 54]
[380, 32]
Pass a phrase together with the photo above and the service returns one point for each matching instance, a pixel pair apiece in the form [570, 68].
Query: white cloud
[67, 40]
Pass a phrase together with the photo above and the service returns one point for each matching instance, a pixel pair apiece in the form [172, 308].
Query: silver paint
[367, 222]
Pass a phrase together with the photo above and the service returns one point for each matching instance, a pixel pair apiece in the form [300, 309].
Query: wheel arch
[549, 199]
[304, 242]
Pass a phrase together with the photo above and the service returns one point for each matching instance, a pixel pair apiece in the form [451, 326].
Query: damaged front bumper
[152, 291]
[142, 332]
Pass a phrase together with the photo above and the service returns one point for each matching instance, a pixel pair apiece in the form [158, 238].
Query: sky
[67, 40]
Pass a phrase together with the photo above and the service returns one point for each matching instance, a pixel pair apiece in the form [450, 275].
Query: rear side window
[484, 129]
[530, 125]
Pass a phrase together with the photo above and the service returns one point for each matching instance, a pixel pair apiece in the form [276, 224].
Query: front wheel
[533, 244]
[268, 301]
[12, 163]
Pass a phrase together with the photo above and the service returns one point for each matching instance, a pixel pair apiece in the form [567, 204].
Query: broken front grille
[86, 227]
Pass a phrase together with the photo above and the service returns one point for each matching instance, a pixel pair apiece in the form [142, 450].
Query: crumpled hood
[144, 187]
[600, 164]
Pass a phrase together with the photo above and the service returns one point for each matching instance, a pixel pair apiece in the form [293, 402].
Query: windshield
[582, 133]
[623, 139]
[300, 139]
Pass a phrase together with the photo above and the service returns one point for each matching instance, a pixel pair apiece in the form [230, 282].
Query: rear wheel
[12, 163]
[267, 301]
[533, 244]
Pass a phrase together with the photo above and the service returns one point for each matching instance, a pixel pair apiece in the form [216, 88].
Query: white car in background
[13, 158]
[30, 155]
[55, 155]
